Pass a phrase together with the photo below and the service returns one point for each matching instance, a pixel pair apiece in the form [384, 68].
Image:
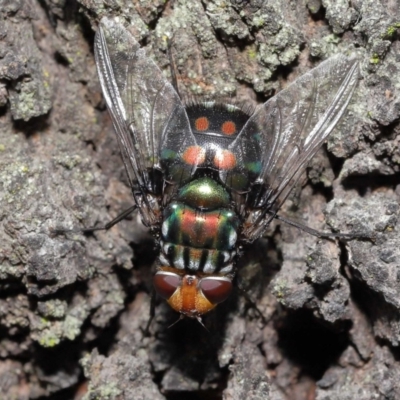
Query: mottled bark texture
[73, 308]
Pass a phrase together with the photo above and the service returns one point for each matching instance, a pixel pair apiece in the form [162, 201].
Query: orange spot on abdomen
[199, 228]
[201, 124]
[228, 128]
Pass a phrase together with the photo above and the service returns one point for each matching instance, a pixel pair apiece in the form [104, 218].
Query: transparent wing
[289, 129]
[146, 111]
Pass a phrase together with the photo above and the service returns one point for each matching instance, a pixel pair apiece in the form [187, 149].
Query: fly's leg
[105, 227]
[250, 301]
[322, 235]
[152, 312]
[113, 222]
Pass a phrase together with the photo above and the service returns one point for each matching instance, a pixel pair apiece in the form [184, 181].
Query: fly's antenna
[200, 321]
[179, 319]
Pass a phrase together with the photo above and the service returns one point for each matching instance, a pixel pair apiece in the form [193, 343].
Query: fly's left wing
[284, 133]
[146, 111]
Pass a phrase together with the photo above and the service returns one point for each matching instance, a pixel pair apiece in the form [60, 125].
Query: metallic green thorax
[199, 231]
[204, 193]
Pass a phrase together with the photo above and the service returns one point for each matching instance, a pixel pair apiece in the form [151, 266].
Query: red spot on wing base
[194, 155]
[224, 159]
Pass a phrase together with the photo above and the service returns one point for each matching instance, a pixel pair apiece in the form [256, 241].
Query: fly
[209, 177]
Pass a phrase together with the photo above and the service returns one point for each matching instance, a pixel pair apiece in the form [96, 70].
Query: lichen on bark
[73, 308]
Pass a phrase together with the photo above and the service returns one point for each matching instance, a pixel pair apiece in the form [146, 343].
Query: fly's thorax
[215, 143]
[204, 194]
[191, 295]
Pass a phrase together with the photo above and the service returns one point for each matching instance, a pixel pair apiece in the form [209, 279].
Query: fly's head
[191, 295]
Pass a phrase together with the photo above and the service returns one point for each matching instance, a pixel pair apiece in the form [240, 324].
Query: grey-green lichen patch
[276, 42]
[29, 85]
[12, 66]
[16, 177]
[379, 49]
[72, 327]
[186, 18]
[30, 98]
[325, 46]
[314, 6]
[33, 191]
[149, 10]
[15, 314]
[11, 267]
[279, 289]
[364, 163]
[340, 14]
[391, 30]
[378, 23]
[12, 374]
[55, 309]
[106, 391]
[224, 18]
[261, 82]
[123, 374]
[383, 85]
[49, 331]
[323, 271]
[182, 18]
[69, 161]
[266, 18]
[49, 336]
[245, 385]
[375, 369]
[388, 152]
[190, 28]
[374, 262]
[111, 301]
[190, 32]
[48, 174]
[374, 59]
[74, 49]
[135, 14]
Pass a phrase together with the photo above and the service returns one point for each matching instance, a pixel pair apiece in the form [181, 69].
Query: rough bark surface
[73, 308]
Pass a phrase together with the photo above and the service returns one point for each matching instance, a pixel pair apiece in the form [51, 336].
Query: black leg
[252, 304]
[115, 221]
[325, 235]
[152, 312]
[107, 226]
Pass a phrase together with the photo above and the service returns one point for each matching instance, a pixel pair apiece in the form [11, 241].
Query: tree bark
[73, 308]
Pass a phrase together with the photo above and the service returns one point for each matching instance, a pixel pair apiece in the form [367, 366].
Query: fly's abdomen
[199, 231]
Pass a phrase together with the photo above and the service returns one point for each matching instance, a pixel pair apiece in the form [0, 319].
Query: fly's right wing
[146, 111]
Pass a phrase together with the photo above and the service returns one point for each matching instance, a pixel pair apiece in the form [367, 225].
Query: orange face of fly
[191, 295]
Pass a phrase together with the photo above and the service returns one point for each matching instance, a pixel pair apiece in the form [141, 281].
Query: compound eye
[165, 283]
[216, 289]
